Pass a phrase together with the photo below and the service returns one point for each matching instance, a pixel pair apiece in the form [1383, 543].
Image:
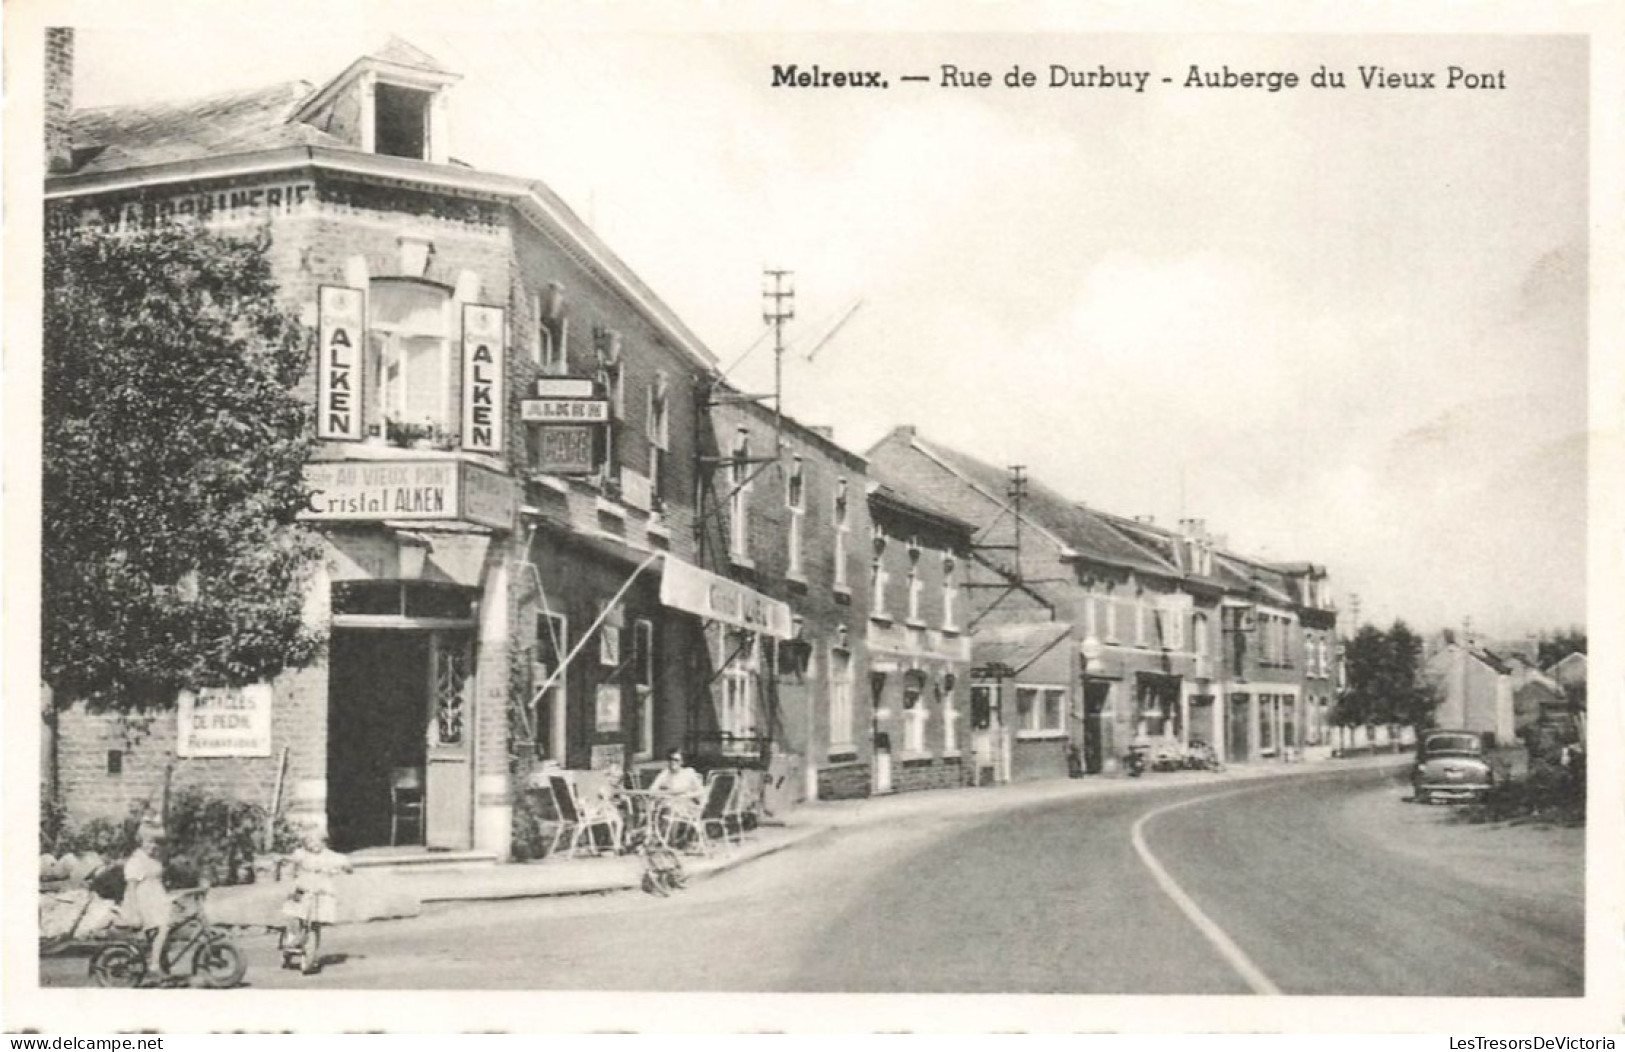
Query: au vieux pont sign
[453, 490]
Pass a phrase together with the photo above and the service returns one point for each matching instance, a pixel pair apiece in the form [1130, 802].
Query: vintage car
[1451, 765]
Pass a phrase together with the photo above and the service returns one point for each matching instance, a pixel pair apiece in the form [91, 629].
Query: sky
[1340, 325]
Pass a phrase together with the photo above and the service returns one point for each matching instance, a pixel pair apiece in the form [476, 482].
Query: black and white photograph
[813, 517]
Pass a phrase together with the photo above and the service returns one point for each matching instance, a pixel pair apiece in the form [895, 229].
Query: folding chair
[575, 820]
[405, 802]
[713, 815]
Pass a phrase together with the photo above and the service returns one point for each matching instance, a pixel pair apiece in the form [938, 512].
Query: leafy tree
[172, 451]
[1555, 647]
[1385, 683]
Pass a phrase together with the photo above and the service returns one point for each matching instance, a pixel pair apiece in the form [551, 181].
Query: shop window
[401, 121]
[410, 370]
[552, 644]
[435, 600]
[795, 500]
[840, 700]
[418, 599]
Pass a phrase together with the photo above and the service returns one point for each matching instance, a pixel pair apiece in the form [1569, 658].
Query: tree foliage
[1385, 683]
[172, 452]
[1560, 644]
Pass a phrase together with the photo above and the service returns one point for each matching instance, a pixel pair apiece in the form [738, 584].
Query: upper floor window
[916, 586]
[411, 368]
[843, 526]
[739, 499]
[879, 578]
[795, 499]
[1199, 635]
[950, 591]
[659, 434]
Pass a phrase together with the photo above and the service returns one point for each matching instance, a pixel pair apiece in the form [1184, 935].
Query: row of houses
[555, 535]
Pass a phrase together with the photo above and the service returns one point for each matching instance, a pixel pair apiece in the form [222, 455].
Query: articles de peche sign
[224, 721]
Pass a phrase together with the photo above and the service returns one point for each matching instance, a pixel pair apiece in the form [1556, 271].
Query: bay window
[410, 366]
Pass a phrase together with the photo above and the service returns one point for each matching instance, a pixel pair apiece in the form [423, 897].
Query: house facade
[783, 508]
[505, 484]
[919, 649]
[1167, 634]
[1475, 690]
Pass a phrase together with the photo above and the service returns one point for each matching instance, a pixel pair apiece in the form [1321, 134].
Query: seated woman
[679, 791]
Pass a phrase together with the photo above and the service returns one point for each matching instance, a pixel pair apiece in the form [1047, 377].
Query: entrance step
[415, 858]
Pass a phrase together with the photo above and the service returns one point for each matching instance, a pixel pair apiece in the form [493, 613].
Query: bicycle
[214, 957]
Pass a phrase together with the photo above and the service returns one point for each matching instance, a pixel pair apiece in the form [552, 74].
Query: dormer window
[391, 102]
[401, 118]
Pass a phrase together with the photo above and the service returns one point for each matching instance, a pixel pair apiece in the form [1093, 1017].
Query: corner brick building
[506, 478]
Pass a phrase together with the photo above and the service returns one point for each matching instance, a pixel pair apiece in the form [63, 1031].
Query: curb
[833, 820]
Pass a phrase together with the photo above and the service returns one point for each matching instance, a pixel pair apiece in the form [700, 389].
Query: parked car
[1451, 765]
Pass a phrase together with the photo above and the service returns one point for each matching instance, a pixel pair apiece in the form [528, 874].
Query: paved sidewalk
[399, 892]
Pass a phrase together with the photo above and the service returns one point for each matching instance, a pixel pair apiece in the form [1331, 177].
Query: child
[146, 904]
[314, 900]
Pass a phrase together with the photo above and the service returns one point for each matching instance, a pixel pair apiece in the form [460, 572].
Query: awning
[686, 587]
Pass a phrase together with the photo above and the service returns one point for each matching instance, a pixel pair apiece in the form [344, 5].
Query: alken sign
[340, 325]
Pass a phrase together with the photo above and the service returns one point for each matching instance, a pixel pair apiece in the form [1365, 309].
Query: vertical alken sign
[338, 363]
[483, 396]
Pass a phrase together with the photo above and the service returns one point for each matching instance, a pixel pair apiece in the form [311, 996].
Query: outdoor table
[643, 810]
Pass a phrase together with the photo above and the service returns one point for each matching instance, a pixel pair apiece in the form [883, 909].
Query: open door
[449, 788]
[1095, 696]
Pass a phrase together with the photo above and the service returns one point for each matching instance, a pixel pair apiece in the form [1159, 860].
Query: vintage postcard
[818, 517]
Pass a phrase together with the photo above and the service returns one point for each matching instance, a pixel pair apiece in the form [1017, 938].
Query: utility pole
[1017, 494]
[778, 307]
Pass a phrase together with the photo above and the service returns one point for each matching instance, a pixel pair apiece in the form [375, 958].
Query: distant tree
[1559, 645]
[172, 455]
[1385, 683]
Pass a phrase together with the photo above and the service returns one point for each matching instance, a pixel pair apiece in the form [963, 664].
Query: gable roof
[112, 138]
[402, 53]
[1085, 533]
[913, 504]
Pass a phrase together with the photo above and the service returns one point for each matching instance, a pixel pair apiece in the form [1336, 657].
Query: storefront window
[410, 371]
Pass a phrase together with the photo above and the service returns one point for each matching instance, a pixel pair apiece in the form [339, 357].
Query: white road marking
[1249, 972]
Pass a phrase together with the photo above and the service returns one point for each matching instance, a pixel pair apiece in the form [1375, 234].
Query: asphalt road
[1284, 887]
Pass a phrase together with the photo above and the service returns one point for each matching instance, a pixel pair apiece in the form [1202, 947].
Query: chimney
[58, 100]
[904, 432]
